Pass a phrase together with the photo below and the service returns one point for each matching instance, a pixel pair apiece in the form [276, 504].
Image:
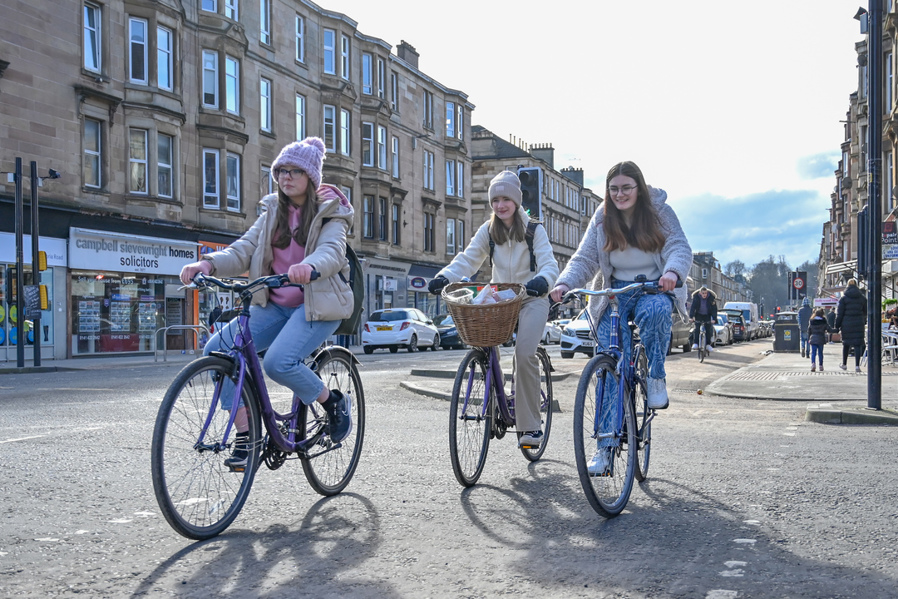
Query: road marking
[750, 523]
[745, 541]
[119, 521]
[47, 540]
[22, 439]
[733, 564]
[736, 573]
[722, 594]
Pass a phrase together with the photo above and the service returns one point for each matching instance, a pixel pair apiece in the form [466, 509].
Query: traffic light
[531, 191]
[42, 266]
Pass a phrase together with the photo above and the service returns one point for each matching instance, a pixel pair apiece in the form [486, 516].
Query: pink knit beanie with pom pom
[307, 154]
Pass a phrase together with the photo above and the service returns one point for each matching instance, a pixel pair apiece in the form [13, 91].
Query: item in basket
[486, 296]
[460, 296]
[506, 295]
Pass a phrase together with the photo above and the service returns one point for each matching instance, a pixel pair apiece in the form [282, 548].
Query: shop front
[419, 297]
[51, 328]
[126, 293]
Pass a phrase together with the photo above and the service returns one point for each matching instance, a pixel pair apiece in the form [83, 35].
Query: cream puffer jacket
[328, 297]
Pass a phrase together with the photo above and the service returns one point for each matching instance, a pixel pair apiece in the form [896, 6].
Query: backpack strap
[528, 236]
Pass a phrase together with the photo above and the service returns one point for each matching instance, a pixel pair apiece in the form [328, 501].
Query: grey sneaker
[239, 451]
[600, 464]
[339, 415]
[657, 392]
[842, 366]
[531, 439]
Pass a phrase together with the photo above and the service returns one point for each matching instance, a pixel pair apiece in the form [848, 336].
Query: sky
[733, 108]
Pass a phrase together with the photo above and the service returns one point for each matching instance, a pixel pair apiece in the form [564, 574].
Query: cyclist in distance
[512, 262]
[633, 232]
[302, 228]
[703, 312]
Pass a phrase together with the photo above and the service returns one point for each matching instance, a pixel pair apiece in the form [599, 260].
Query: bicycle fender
[332, 350]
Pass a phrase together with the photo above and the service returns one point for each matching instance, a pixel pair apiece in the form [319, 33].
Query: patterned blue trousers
[652, 314]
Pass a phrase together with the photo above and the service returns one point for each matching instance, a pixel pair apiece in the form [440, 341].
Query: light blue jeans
[652, 314]
[289, 339]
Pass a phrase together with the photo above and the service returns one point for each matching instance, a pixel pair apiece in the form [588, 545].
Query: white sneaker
[600, 464]
[709, 348]
[657, 392]
[695, 346]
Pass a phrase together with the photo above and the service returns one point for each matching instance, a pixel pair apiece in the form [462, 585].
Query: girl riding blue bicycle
[301, 230]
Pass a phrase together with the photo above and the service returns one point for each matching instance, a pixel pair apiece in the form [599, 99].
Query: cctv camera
[54, 174]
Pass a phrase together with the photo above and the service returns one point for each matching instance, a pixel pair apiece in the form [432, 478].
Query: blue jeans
[652, 314]
[816, 350]
[804, 344]
[289, 339]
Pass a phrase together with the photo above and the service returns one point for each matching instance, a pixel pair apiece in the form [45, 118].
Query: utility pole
[35, 261]
[874, 201]
[19, 321]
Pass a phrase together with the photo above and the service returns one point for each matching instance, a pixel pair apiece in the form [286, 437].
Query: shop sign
[417, 283]
[55, 248]
[105, 250]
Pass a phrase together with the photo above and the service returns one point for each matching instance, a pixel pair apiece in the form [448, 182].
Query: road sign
[797, 283]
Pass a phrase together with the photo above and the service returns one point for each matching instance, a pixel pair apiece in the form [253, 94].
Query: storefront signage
[105, 250]
[417, 283]
[55, 248]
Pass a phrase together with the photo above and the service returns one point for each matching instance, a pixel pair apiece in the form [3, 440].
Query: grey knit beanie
[307, 154]
[506, 184]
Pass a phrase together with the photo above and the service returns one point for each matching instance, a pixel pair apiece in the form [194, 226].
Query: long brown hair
[500, 233]
[282, 232]
[645, 232]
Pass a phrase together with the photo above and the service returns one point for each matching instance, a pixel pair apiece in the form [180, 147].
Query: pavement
[835, 396]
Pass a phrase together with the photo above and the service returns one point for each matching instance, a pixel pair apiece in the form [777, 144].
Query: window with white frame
[330, 52]
[460, 122]
[210, 178]
[367, 74]
[381, 148]
[233, 181]
[460, 234]
[137, 48]
[164, 61]
[460, 183]
[345, 127]
[330, 127]
[368, 217]
[889, 83]
[165, 149]
[889, 186]
[394, 92]
[232, 84]
[428, 170]
[428, 110]
[382, 218]
[450, 236]
[265, 104]
[300, 38]
[93, 154]
[230, 7]
[428, 232]
[395, 230]
[265, 21]
[450, 119]
[92, 37]
[137, 161]
[210, 79]
[210, 5]
[300, 117]
[381, 77]
[450, 177]
[395, 156]
[267, 183]
[344, 57]
[367, 144]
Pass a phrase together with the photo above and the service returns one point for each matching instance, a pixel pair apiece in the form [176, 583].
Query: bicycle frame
[493, 374]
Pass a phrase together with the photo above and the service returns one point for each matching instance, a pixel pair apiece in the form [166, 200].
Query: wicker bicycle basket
[485, 325]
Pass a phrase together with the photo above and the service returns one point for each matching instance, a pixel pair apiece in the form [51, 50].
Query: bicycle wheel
[328, 466]
[643, 416]
[469, 424]
[545, 405]
[701, 344]
[607, 493]
[198, 495]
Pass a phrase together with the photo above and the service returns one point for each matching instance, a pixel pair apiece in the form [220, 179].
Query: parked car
[679, 334]
[449, 338]
[399, 327]
[723, 331]
[576, 336]
[740, 332]
[552, 333]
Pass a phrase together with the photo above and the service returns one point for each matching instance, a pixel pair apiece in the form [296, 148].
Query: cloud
[817, 166]
[752, 227]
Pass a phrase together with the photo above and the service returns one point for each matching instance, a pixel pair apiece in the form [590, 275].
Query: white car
[399, 327]
[576, 337]
[723, 334]
[552, 333]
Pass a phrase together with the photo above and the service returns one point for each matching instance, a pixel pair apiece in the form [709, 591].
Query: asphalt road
[744, 499]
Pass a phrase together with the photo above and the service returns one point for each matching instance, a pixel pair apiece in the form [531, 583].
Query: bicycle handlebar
[201, 281]
[649, 286]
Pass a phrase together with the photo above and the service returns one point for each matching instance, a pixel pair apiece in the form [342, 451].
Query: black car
[739, 330]
[448, 333]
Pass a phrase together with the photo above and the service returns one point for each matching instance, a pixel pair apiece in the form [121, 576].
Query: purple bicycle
[199, 494]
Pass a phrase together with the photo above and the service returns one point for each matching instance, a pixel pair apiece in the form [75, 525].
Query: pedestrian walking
[804, 317]
[851, 317]
[831, 321]
[816, 334]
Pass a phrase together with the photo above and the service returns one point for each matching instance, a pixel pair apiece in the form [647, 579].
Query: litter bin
[786, 333]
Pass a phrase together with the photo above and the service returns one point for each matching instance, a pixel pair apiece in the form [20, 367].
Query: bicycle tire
[545, 405]
[198, 495]
[469, 425]
[608, 495]
[643, 416]
[701, 342]
[330, 470]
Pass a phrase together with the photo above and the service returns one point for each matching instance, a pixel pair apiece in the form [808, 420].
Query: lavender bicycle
[198, 493]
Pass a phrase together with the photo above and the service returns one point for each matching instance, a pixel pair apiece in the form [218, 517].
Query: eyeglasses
[294, 173]
[626, 189]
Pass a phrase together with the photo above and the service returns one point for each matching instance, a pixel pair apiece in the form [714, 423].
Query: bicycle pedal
[237, 468]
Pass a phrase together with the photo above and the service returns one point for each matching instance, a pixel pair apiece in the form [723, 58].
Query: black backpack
[350, 325]
[528, 236]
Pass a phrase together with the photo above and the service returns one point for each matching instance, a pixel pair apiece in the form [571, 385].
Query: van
[750, 315]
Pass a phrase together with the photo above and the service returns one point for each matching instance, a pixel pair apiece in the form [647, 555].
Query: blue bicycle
[609, 460]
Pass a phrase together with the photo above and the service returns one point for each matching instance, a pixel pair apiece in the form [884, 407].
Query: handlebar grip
[315, 275]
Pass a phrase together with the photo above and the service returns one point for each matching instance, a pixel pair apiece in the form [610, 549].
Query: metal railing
[196, 328]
